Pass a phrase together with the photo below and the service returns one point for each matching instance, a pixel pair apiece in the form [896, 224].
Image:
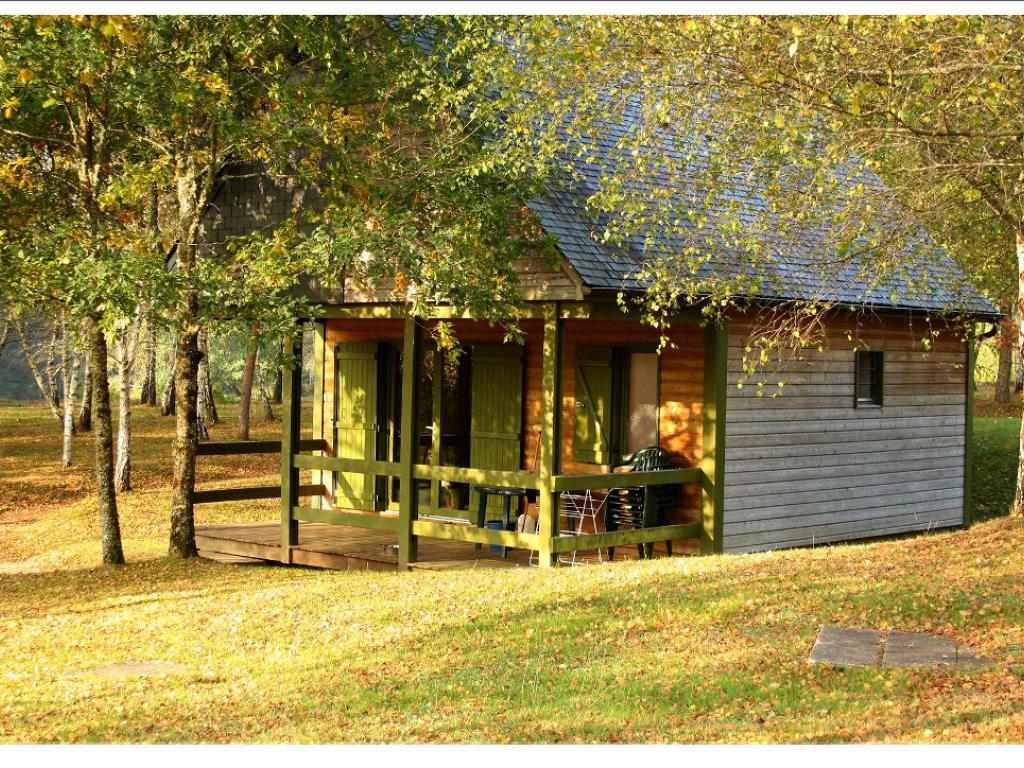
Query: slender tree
[148, 394]
[127, 349]
[245, 398]
[69, 383]
[64, 84]
[167, 399]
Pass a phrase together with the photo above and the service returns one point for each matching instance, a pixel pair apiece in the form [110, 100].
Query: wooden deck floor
[342, 547]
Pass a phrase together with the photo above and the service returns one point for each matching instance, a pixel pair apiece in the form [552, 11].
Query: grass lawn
[684, 649]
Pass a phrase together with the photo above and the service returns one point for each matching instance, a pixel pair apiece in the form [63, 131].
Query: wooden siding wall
[808, 467]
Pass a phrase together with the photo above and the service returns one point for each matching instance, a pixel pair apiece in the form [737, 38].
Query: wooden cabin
[868, 438]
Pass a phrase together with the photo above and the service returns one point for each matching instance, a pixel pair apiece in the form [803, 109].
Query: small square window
[868, 379]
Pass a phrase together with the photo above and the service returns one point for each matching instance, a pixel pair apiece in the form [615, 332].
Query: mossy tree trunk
[186, 386]
[110, 526]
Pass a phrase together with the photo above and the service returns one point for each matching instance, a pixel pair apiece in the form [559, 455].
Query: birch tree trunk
[148, 396]
[167, 399]
[1018, 368]
[207, 407]
[128, 348]
[1018, 495]
[245, 401]
[123, 472]
[110, 526]
[278, 387]
[85, 413]
[1004, 346]
[268, 410]
[69, 382]
[5, 337]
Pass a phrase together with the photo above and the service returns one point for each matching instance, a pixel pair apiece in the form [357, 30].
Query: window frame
[877, 399]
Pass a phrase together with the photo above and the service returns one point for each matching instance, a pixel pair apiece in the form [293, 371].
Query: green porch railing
[252, 492]
[509, 479]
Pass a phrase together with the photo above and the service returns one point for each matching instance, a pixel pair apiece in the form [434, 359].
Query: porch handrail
[239, 447]
[503, 478]
[471, 475]
[496, 477]
[590, 482]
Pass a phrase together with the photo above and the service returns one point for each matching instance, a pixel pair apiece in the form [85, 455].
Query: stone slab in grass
[846, 647]
[139, 669]
[915, 649]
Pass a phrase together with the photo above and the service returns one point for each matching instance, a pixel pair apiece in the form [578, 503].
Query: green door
[355, 426]
[594, 438]
[496, 411]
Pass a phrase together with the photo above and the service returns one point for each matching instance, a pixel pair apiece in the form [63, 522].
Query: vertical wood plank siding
[807, 467]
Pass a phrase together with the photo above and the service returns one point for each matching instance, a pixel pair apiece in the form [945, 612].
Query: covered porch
[355, 494]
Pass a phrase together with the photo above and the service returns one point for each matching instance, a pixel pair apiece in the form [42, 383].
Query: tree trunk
[128, 349]
[278, 386]
[167, 399]
[207, 407]
[1018, 495]
[85, 414]
[268, 411]
[123, 475]
[245, 401]
[1018, 367]
[110, 527]
[1004, 346]
[186, 385]
[5, 337]
[68, 384]
[148, 396]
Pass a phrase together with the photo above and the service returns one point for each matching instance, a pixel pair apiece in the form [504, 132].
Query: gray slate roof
[795, 272]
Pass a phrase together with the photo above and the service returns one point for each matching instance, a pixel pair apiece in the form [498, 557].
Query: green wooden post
[408, 496]
[291, 397]
[550, 426]
[968, 432]
[716, 378]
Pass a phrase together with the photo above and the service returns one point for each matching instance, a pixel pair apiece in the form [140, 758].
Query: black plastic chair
[633, 507]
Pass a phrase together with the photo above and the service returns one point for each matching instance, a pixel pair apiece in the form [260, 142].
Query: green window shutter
[355, 434]
[594, 427]
[496, 411]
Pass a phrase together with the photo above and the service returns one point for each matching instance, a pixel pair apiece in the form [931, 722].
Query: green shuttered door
[496, 411]
[356, 417]
[593, 431]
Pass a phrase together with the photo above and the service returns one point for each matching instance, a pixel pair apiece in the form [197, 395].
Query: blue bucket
[495, 525]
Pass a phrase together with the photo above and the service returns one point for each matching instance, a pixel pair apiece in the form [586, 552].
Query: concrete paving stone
[912, 649]
[846, 647]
